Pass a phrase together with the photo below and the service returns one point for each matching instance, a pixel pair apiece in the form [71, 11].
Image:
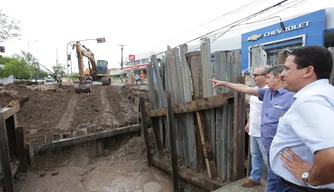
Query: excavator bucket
[84, 87]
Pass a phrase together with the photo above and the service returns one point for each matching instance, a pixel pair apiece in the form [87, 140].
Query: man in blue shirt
[276, 101]
[302, 152]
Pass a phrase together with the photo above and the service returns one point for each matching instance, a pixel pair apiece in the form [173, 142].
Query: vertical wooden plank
[229, 139]
[173, 82]
[145, 130]
[207, 88]
[5, 158]
[206, 67]
[194, 62]
[160, 94]
[179, 119]
[190, 136]
[154, 105]
[166, 86]
[10, 128]
[99, 147]
[20, 148]
[331, 49]
[239, 133]
[170, 117]
[221, 117]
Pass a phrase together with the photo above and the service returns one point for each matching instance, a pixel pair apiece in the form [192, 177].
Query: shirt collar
[280, 91]
[310, 86]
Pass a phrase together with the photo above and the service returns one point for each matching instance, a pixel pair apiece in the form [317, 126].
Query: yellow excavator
[96, 71]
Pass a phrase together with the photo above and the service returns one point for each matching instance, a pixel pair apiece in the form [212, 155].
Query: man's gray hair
[276, 70]
[265, 68]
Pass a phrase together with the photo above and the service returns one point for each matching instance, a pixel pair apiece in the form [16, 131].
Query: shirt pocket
[275, 113]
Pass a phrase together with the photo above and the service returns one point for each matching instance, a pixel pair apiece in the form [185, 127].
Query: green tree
[14, 66]
[31, 62]
[74, 75]
[9, 27]
[59, 70]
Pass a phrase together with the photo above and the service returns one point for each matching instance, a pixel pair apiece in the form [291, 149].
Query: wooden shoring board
[154, 105]
[194, 62]
[174, 89]
[190, 176]
[179, 95]
[85, 138]
[190, 135]
[195, 105]
[145, 130]
[239, 133]
[160, 96]
[172, 134]
[5, 156]
[221, 117]
[209, 120]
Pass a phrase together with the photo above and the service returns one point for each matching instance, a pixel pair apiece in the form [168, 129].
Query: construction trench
[78, 142]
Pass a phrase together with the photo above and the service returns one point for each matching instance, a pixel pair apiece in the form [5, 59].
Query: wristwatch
[305, 176]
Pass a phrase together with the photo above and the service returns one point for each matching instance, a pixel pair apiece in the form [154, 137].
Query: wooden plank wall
[331, 49]
[186, 76]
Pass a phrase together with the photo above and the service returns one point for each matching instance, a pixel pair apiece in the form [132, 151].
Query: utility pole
[122, 61]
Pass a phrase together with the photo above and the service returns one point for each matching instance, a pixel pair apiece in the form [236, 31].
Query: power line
[235, 23]
[225, 14]
[240, 20]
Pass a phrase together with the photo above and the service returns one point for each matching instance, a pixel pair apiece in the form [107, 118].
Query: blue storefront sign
[308, 29]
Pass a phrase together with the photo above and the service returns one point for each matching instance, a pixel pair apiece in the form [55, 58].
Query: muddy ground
[48, 112]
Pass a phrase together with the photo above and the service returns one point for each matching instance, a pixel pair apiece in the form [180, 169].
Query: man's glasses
[256, 75]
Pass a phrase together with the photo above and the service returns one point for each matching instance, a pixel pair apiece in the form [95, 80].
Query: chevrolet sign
[279, 31]
[254, 37]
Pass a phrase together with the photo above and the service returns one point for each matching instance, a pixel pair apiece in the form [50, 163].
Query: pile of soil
[51, 112]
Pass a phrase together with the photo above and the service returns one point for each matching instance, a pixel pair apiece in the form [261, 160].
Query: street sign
[132, 57]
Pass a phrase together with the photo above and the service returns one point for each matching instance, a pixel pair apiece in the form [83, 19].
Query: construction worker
[141, 77]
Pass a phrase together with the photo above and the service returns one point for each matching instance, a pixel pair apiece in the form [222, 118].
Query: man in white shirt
[302, 151]
[253, 128]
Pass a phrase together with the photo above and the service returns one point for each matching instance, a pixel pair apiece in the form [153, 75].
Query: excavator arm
[84, 84]
[90, 56]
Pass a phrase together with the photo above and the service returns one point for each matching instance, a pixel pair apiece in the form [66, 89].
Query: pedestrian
[276, 101]
[302, 152]
[253, 128]
[141, 77]
[137, 78]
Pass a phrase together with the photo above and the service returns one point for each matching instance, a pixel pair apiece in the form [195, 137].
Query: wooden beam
[188, 175]
[172, 141]
[85, 138]
[9, 111]
[145, 130]
[195, 105]
[239, 134]
[207, 149]
[21, 149]
[5, 158]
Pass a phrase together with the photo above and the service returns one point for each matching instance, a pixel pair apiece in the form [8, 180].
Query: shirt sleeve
[261, 93]
[316, 128]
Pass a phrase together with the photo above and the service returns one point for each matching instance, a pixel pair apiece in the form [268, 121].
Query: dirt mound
[51, 112]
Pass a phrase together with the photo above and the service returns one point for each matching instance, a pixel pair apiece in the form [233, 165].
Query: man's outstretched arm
[236, 87]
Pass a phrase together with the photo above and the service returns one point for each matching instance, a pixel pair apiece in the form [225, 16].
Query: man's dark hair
[276, 70]
[318, 57]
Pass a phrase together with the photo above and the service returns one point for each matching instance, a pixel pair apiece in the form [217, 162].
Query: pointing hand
[216, 83]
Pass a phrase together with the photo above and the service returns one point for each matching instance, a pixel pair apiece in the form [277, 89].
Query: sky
[141, 25]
